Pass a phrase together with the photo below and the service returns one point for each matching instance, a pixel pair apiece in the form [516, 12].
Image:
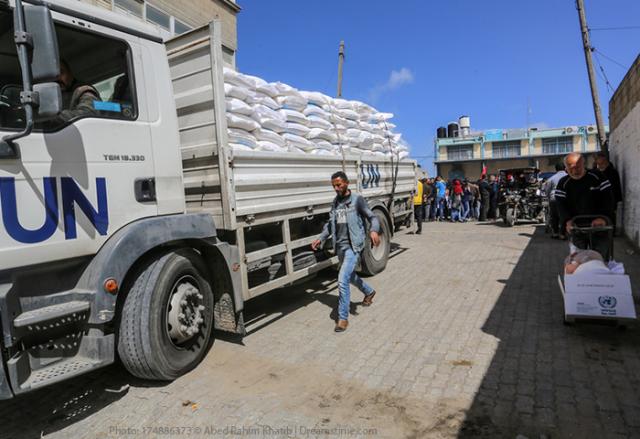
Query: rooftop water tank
[465, 125]
[453, 130]
[441, 133]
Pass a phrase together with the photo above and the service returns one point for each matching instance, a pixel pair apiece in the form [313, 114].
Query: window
[155, 15]
[99, 82]
[179, 27]
[557, 145]
[506, 149]
[460, 152]
[133, 7]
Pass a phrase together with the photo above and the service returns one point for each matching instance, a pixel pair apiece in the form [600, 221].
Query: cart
[604, 298]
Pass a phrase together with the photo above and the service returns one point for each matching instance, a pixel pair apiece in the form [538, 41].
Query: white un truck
[133, 230]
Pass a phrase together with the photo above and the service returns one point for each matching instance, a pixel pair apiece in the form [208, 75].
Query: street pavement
[464, 339]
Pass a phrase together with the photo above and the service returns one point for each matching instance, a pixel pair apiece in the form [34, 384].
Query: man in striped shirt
[584, 192]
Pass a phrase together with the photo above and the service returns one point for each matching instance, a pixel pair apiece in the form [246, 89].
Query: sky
[502, 62]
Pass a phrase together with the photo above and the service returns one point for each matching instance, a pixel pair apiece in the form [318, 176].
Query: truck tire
[167, 318]
[374, 259]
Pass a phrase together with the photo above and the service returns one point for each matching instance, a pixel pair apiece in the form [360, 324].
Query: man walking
[550, 191]
[584, 192]
[346, 227]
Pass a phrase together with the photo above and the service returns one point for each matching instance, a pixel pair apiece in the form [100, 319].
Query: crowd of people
[456, 200]
[573, 192]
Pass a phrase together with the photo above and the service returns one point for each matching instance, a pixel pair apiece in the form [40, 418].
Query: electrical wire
[609, 58]
[613, 28]
[602, 72]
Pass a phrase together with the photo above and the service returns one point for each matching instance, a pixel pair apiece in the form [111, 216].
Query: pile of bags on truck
[276, 117]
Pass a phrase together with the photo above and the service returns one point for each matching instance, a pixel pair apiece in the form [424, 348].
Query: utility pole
[602, 136]
[340, 62]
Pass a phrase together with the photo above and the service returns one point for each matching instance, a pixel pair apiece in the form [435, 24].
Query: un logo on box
[607, 301]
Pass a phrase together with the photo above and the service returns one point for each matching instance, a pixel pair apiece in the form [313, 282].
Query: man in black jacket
[485, 195]
[584, 192]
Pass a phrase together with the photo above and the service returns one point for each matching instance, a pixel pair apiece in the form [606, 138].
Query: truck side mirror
[50, 100]
[45, 59]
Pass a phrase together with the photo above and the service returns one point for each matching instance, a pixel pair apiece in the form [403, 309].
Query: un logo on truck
[608, 302]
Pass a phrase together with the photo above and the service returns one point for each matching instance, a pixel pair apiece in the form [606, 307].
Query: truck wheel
[510, 217]
[374, 259]
[167, 318]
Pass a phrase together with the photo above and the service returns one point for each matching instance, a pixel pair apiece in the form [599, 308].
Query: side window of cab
[96, 78]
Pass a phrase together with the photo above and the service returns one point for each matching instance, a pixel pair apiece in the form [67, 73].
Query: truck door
[80, 177]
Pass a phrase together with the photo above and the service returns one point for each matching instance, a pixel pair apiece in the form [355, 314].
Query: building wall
[626, 96]
[624, 146]
[200, 12]
[194, 13]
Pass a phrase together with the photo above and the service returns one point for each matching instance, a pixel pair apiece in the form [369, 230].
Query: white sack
[258, 98]
[268, 89]
[265, 145]
[298, 142]
[241, 137]
[294, 116]
[297, 129]
[236, 78]
[319, 122]
[319, 133]
[316, 98]
[292, 102]
[233, 91]
[314, 110]
[266, 135]
[237, 106]
[239, 147]
[323, 144]
[242, 122]
[342, 104]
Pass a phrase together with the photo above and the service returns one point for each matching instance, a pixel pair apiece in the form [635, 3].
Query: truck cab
[91, 193]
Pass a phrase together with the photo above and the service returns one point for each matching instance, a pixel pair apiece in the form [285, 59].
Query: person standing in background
[418, 200]
[550, 191]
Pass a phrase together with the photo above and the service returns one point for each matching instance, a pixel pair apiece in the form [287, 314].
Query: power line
[609, 58]
[613, 28]
[603, 74]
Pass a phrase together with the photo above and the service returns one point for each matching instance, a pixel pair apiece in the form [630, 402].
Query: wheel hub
[185, 311]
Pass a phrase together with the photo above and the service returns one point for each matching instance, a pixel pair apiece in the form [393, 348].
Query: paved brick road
[465, 339]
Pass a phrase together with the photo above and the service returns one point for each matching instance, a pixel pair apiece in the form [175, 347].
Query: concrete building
[624, 147]
[465, 156]
[173, 17]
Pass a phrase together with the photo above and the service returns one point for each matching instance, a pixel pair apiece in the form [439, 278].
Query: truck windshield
[96, 79]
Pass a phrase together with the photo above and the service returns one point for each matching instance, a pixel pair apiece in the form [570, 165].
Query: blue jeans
[455, 215]
[465, 209]
[348, 262]
[440, 207]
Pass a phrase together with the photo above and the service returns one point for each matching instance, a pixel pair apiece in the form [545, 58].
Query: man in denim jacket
[346, 227]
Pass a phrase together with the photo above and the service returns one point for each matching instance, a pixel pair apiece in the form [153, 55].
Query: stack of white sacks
[264, 116]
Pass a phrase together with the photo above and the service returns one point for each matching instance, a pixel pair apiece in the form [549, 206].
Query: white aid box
[598, 295]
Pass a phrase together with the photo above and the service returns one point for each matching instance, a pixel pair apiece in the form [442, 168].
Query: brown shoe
[341, 326]
[368, 300]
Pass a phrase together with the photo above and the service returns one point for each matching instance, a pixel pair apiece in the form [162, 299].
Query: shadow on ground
[580, 381]
[54, 408]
